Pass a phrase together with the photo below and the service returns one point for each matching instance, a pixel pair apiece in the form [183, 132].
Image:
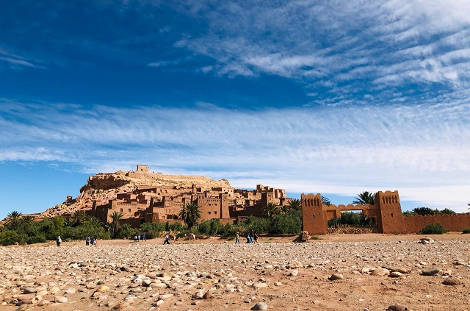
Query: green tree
[271, 209]
[325, 200]
[364, 198]
[447, 211]
[424, 211]
[190, 214]
[13, 220]
[115, 218]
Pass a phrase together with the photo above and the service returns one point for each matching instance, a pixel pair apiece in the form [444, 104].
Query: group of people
[138, 238]
[251, 237]
[90, 241]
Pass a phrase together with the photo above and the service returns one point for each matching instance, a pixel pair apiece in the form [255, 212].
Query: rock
[430, 272]
[336, 276]
[380, 272]
[70, 291]
[397, 308]
[29, 290]
[304, 236]
[102, 289]
[260, 306]
[60, 299]
[294, 272]
[451, 282]
[395, 274]
[260, 285]
[426, 240]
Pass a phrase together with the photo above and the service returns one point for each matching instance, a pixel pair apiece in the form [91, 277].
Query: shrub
[126, 232]
[433, 229]
[152, 230]
[466, 230]
[447, 211]
[10, 237]
[352, 219]
[290, 223]
[424, 211]
[256, 224]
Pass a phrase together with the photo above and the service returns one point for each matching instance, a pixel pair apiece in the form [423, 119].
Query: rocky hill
[103, 187]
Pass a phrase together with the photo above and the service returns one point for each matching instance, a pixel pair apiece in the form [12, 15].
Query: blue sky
[311, 96]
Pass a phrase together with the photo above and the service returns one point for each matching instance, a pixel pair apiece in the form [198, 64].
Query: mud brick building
[386, 211]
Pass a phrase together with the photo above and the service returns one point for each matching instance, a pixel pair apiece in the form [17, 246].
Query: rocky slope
[103, 187]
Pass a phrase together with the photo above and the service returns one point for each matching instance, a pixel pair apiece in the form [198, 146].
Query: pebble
[260, 306]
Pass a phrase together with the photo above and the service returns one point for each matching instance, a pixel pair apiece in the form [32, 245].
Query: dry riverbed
[338, 272]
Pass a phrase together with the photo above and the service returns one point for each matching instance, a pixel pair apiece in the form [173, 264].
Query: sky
[312, 96]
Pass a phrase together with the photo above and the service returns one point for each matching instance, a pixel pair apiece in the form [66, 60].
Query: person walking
[167, 239]
[255, 237]
[237, 238]
[58, 240]
[87, 241]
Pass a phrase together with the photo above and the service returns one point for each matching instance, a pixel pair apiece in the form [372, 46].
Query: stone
[294, 272]
[430, 272]
[380, 272]
[260, 306]
[451, 282]
[395, 274]
[397, 307]
[29, 290]
[102, 288]
[336, 276]
[60, 299]
[426, 240]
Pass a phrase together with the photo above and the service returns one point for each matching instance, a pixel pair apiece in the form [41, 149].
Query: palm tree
[294, 204]
[270, 210]
[78, 218]
[115, 218]
[364, 198]
[325, 200]
[190, 214]
[13, 220]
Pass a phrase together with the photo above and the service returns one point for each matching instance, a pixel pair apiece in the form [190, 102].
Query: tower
[313, 217]
[389, 215]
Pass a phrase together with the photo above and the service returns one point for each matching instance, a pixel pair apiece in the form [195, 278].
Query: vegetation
[21, 229]
[433, 229]
[115, 218]
[352, 219]
[25, 230]
[325, 200]
[466, 231]
[190, 214]
[364, 198]
[423, 211]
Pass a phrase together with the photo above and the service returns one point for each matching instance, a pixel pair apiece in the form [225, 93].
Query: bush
[466, 231]
[433, 229]
[10, 237]
[352, 219]
[153, 230]
[290, 223]
[256, 224]
[126, 232]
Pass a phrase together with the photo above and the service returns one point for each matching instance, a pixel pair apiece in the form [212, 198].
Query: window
[129, 210]
[209, 213]
[215, 213]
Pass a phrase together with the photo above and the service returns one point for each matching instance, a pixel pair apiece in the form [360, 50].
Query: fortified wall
[386, 210]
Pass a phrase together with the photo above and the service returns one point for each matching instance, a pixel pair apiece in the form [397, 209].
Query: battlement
[142, 168]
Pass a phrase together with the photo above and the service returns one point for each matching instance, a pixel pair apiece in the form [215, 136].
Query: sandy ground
[377, 271]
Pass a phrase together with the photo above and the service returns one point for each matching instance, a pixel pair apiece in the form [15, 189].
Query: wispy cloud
[16, 61]
[375, 43]
[421, 151]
